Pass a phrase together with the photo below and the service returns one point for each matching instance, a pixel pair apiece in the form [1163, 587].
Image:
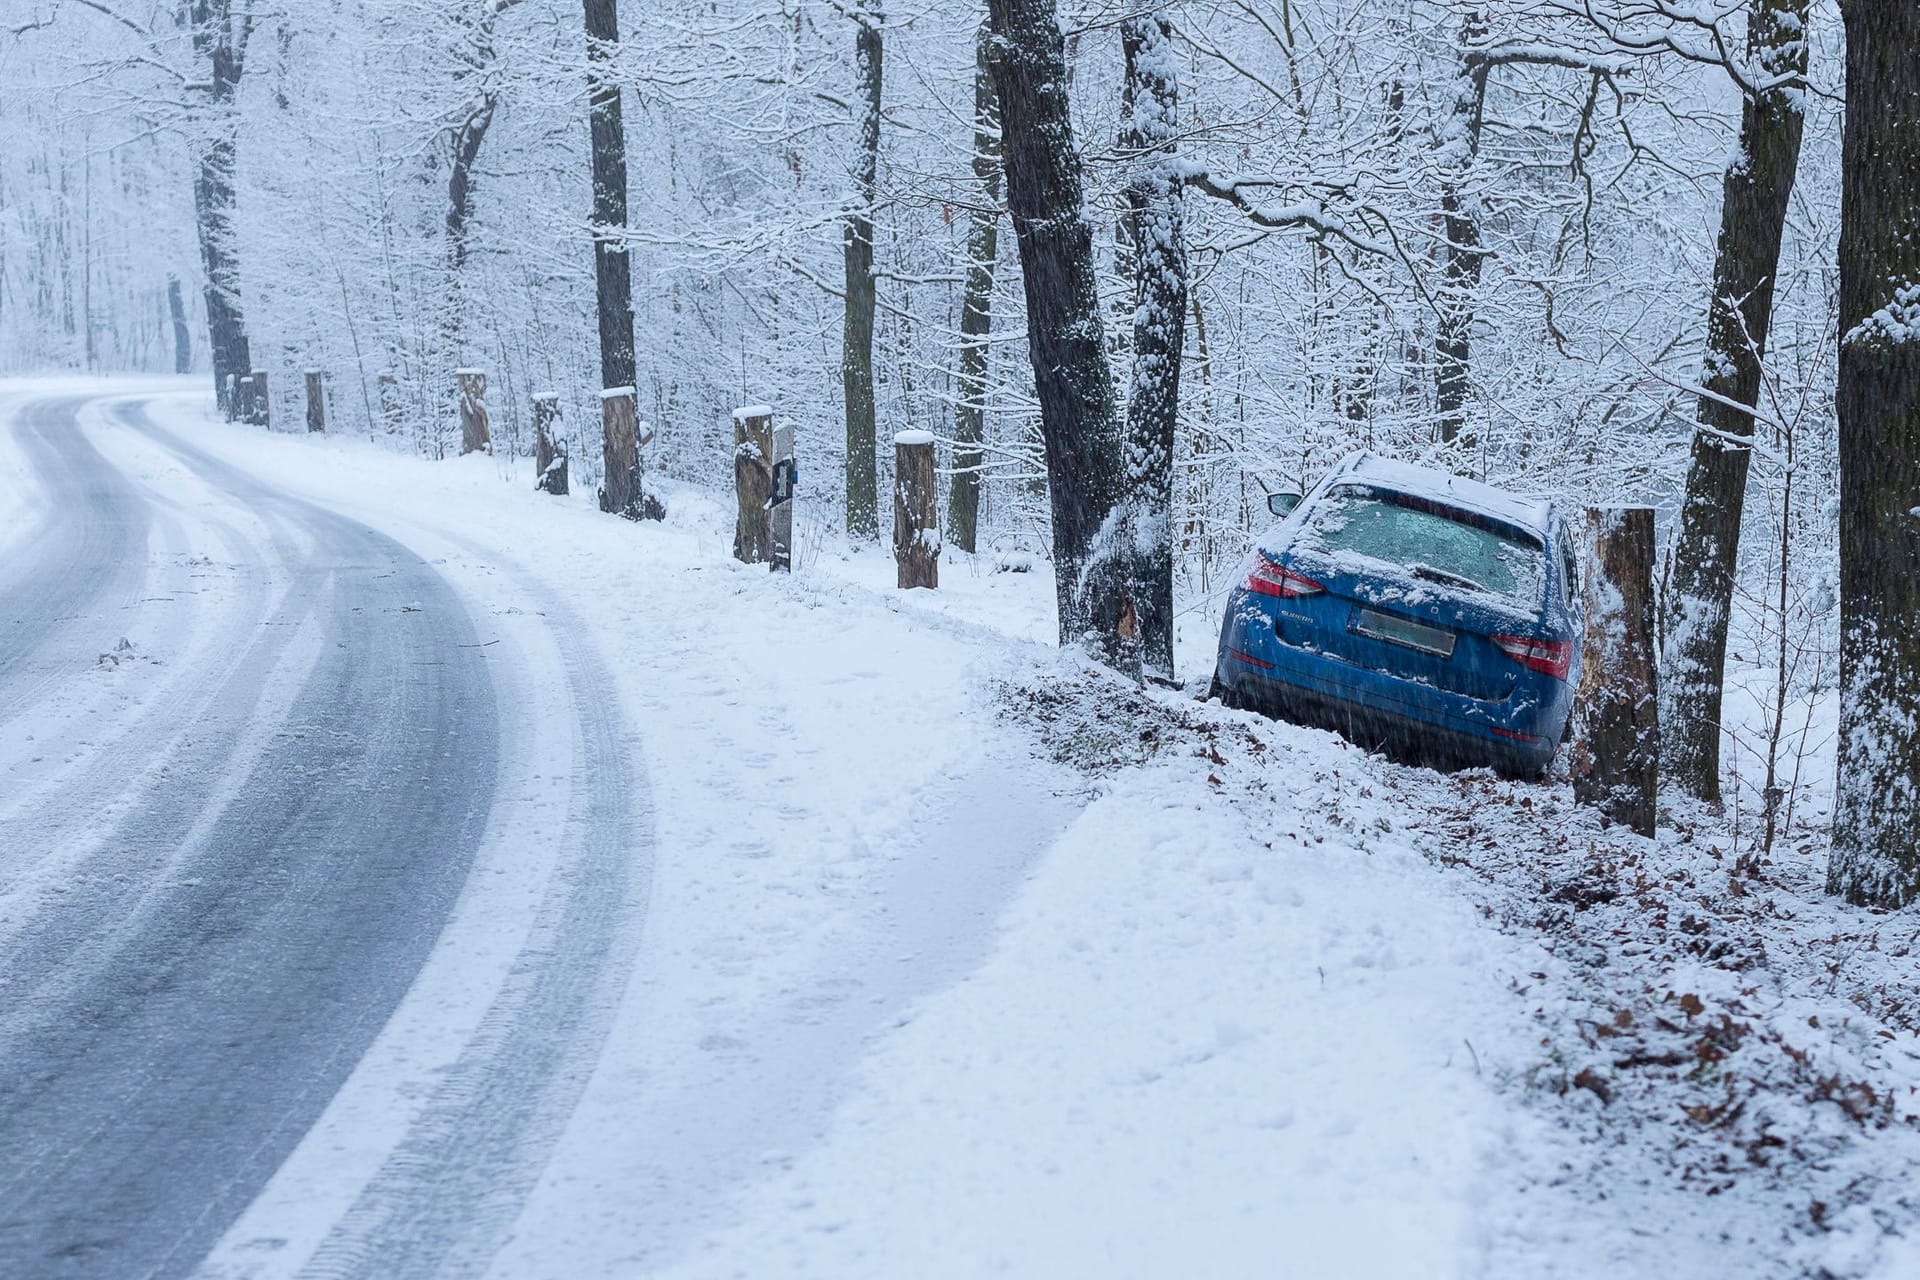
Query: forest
[1134, 267]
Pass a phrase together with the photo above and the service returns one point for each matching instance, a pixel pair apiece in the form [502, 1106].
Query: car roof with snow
[1532, 514]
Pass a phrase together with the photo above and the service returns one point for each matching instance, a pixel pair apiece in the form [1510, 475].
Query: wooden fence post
[1616, 756]
[786, 474]
[753, 483]
[240, 399]
[620, 451]
[549, 451]
[476, 434]
[916, 529]
[316, 400]
[262, 406]
[234, 407]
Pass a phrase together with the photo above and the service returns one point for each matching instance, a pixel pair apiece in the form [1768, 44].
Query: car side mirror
[1282, 504]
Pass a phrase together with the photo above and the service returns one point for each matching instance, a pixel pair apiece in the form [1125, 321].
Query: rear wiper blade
[1432, 574]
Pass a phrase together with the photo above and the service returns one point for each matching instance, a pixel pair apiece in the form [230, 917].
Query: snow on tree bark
[1079, 421]
[1462, 255]
[612, 271]
[1155, 199]
[1616, 755]
[856, 231]
[220, 38]
[1699, 595]
[976, 310]
[1876, 838]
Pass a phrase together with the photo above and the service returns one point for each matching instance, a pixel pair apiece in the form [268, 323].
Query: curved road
[210, 925]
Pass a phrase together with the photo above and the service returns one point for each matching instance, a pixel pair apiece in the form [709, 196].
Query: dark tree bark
[916, 496]
[465, 148]
[220, 40]
[976, 311]
[182, 337]
[612, 271]
[856, 352]
[1462, 256]
[1616, 753]
[1876, 835]
[1079, 421]
[1753, 216]
[1155, 196]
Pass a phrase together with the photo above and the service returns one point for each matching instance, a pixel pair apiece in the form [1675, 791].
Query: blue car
[1413, 611]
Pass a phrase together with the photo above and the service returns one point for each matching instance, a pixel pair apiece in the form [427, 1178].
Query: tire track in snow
[161, 1050]
[87, 555]
[447, 1195]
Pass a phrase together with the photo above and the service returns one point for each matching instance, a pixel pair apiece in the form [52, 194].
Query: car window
[1428, 539]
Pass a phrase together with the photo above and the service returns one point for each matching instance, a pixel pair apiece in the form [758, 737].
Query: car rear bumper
[1370, 719]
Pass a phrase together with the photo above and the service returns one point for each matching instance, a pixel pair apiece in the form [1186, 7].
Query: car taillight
[1269, 579]
[1550, 656]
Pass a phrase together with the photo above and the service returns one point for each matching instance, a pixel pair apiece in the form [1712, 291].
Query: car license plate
[1405, 631]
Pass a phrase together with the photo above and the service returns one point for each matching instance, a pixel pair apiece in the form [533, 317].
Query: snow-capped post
[241, 398]
[316, 400]
[753, 483]
[780, 502]
[549, 451]
[475, 434]
[1616, 753]
[620, 452]
[261, 408]
[916, 529]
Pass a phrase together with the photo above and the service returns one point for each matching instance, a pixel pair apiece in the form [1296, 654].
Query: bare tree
[1079, 420]
[1876, 839]
[976, 309]
[1753, 218]
[219, 37]
[856, 358]
[1155, 195]
[612, 270]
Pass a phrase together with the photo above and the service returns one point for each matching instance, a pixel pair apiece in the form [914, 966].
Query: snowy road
[229, 844]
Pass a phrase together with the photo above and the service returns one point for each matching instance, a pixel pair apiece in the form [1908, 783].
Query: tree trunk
[221, 40]
[226, 328]
[1462, 256]
[753, 484]
[612, 271]
[1706, 547]
[465, 151]
[1616, 755]
[856, 353]
[1155, 202]
[1078, 419]
[1876, 830]
[916, 530]
[976, 311]
[182, 337]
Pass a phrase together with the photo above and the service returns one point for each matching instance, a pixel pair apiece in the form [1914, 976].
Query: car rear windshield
[1434, 542]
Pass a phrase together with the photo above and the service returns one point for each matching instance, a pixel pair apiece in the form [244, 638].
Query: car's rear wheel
[1220, 689]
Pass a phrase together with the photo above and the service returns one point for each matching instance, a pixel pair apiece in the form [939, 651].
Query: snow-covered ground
[954, 957]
